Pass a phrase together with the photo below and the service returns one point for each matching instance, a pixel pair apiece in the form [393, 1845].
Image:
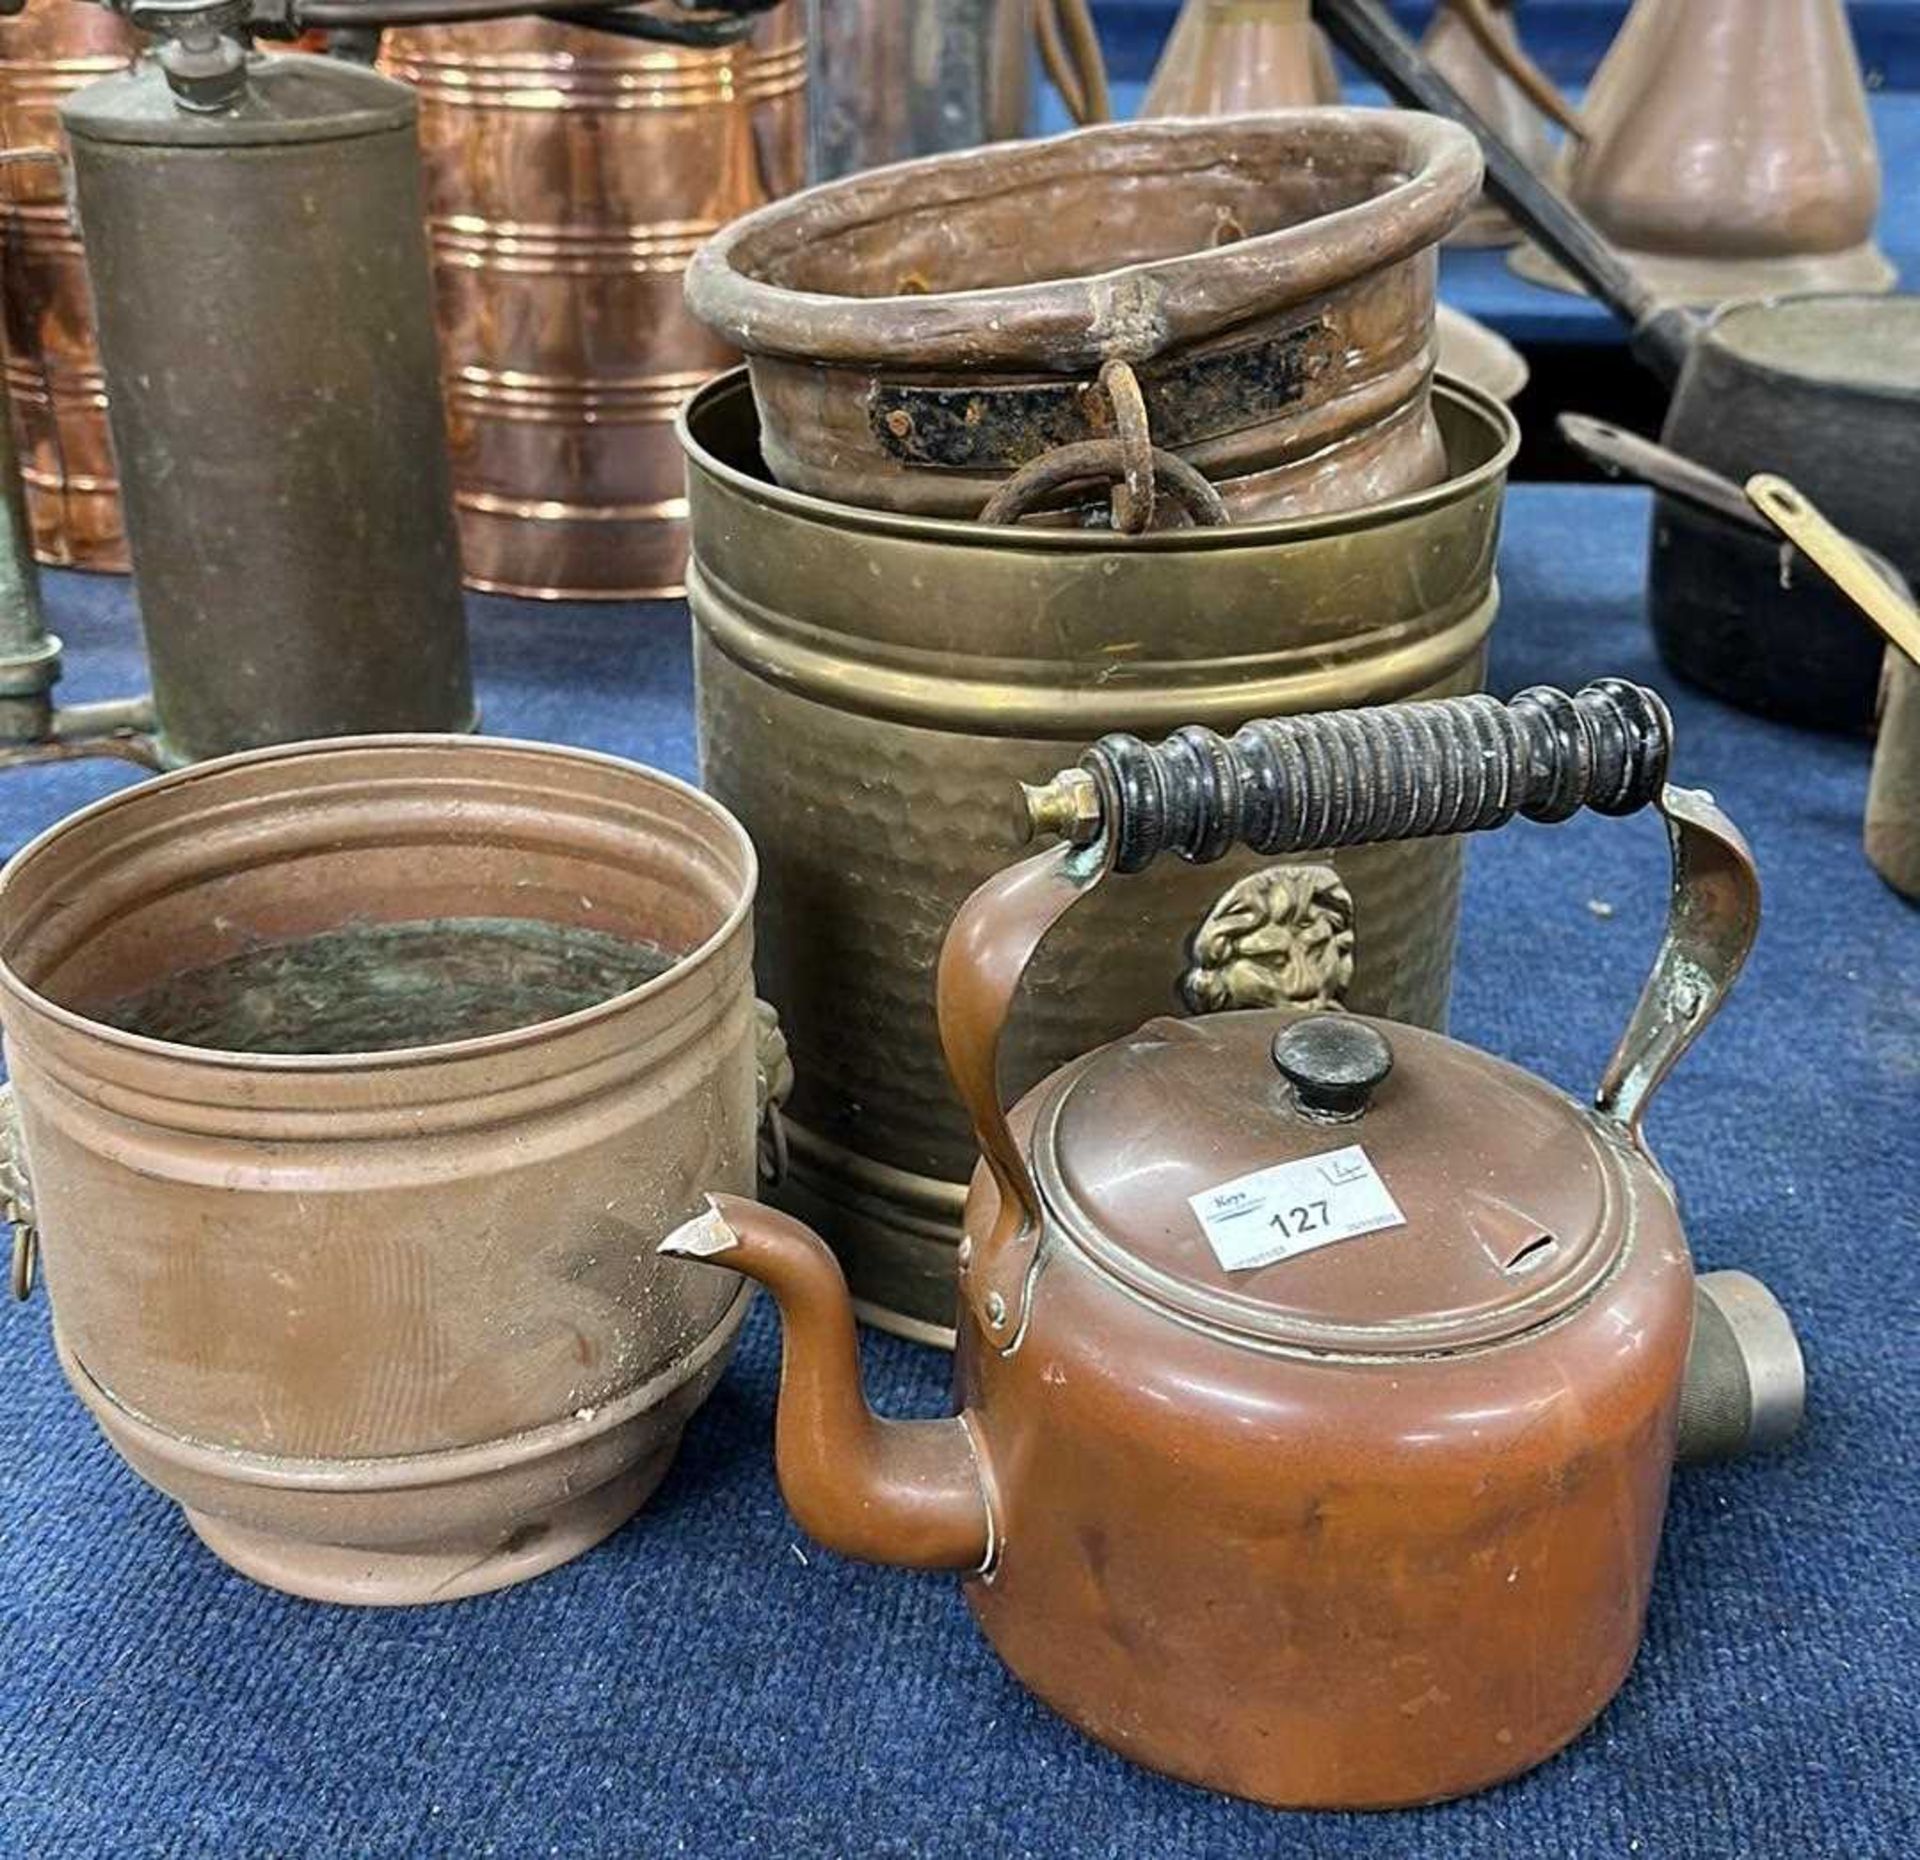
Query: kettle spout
[910, 1493]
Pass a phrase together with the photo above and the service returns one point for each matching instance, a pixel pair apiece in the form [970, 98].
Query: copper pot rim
[1712, 329]
[1498, 418]
[711, 950]
[1058, 323]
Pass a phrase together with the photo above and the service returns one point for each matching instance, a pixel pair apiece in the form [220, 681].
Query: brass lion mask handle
[1342, 778]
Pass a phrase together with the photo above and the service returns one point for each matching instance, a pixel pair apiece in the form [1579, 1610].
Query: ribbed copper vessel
[570, 176]
[54, 384]
[353, 1258]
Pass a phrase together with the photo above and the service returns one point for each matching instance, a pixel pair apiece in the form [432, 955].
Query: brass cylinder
[279, 423]
[54, 384]
[570, 176]
[874, 687]
[388, 1324]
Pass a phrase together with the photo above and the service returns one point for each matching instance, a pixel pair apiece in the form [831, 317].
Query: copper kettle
[1319, 1377]
[1727, 150]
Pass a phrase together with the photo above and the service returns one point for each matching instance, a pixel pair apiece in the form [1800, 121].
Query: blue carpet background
[709, 1683]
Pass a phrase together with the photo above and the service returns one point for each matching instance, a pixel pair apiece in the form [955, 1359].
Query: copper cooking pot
[351, 1084]
[918, 334]
[1229, 57]
[1319, 1377]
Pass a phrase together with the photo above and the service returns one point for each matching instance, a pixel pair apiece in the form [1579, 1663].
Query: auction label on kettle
[1295, 1207]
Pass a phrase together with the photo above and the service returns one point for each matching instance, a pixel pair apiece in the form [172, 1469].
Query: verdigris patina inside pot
[919, 333]
[351, 1085]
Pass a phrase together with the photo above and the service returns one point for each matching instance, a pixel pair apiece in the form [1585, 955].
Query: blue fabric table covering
[709, 1683]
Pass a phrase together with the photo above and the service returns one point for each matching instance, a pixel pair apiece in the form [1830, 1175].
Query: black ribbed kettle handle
[1287, 785]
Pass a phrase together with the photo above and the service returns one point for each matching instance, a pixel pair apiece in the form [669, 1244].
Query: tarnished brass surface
[890, 81]
[570, 175]
[54, 383]
[871, 686]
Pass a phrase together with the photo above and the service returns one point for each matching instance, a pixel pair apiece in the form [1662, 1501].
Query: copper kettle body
[1323, 1519]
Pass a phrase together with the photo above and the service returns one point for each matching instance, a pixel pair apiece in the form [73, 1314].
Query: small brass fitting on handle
[1066, 808]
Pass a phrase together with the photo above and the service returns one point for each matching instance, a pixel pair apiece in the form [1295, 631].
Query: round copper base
[423, 1527]
[395, 1578]
[1471, 352]
[1700, 283]
[665, 591]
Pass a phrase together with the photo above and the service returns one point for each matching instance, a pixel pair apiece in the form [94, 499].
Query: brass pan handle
[1343, 778]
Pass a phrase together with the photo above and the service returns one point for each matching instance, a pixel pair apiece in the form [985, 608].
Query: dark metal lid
[291, 99]
[1331, 1182]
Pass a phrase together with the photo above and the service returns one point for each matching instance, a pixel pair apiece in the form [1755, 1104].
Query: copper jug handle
[1291, 785]
[1533, 83]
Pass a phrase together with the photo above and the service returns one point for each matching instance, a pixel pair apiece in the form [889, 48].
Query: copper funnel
[1457, 43]
[1729, 153]
[570, 175]
[54, 383]
[1229, 57]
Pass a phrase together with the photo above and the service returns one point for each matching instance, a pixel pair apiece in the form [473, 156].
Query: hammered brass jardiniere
[918, 333]
[352, 1084]
[1319, 1378]
[870, 684]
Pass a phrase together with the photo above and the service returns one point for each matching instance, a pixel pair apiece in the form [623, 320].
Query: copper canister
[570, 176]
[54, 383]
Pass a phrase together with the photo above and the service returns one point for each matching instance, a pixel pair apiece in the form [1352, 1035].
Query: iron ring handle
[1342, 778]
[1043, 480]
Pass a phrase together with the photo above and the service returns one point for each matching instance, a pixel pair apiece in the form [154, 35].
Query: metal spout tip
[1746, 1383]
[703, 1237]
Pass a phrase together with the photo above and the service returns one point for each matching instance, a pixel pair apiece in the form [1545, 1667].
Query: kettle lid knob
[1334, 1063]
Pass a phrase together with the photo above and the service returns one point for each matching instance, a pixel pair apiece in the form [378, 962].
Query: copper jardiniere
[384, 1322]
[871, 683]
[919, 334]
[570, 175]
[58, 394]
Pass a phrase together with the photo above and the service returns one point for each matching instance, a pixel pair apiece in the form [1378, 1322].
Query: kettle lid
[1332, 1182]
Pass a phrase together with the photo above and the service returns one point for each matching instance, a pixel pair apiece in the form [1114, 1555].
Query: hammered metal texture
[570, 176]
[871, 691]
[54, 384]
